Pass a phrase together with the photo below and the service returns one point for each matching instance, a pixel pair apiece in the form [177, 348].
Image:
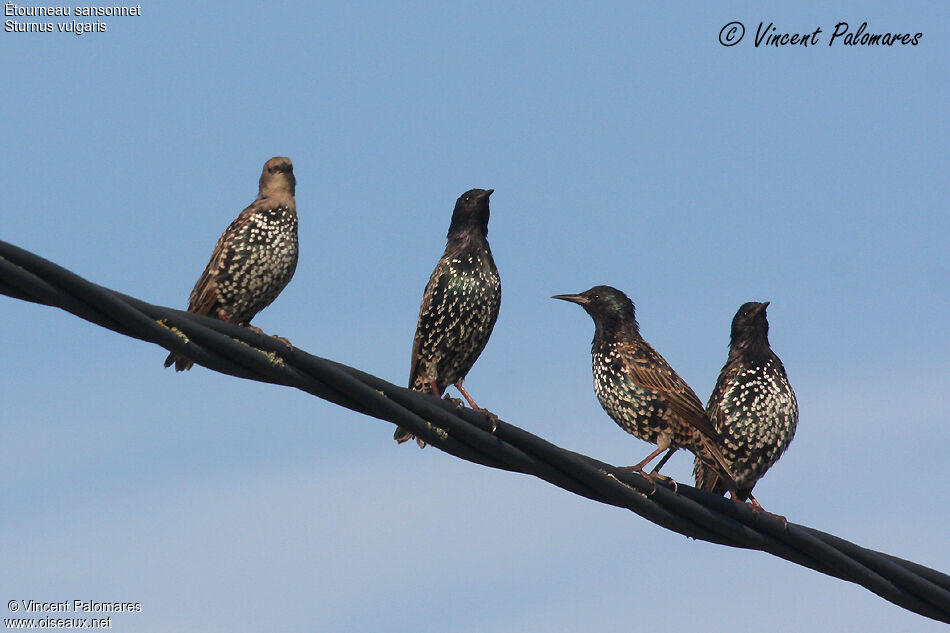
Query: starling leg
[655, 476]
[755, 502]
[465, 395]
[649, 458]
[491, 416]
[223, 315]
[255, 329]
[663, 461]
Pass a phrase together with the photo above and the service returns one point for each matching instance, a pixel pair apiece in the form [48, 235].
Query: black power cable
[237, 351]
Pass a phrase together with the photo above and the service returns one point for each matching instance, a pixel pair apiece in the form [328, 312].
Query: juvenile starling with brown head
[459, 306]
[255, 257]
[752, 406]
[638, 388]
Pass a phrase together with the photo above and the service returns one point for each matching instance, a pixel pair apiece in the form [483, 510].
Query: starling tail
[255, 257]
[752, 406]
[638, 388]
[459, 307]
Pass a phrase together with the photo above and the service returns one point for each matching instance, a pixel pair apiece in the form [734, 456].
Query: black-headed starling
[637, 387]
[255, 257]
[752, 406]
[459, 307]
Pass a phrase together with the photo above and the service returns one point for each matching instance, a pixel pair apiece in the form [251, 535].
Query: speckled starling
[752, 406]
[637, 387]
[255, 257]
[459, 306]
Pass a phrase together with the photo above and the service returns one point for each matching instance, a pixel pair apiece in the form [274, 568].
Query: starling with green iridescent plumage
[638, 388]
[459, 306]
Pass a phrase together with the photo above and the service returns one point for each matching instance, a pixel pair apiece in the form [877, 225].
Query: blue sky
[627, 147]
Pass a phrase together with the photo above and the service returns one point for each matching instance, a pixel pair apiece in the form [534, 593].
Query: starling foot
[656, 478]
[757, 508]
[283, 340]
[456, 401]
[491, 418]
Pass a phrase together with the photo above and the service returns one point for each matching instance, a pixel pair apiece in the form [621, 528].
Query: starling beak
[459, 306]
[752, 406]
[638, 388]
[255, 257]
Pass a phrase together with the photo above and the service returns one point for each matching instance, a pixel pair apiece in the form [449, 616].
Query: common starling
[638, 388]
[752, 406]
[459, 306]
[255, 257]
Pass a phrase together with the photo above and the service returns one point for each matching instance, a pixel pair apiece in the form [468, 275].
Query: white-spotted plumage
[641, 410]
[255, 257]
[637, 387]
[459, 309]
[459, 306]
[259, 260]
[753, 405]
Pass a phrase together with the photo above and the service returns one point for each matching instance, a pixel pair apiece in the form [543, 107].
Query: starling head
[278, 177]
[611, 310]
[471, 212]
[749, 326]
